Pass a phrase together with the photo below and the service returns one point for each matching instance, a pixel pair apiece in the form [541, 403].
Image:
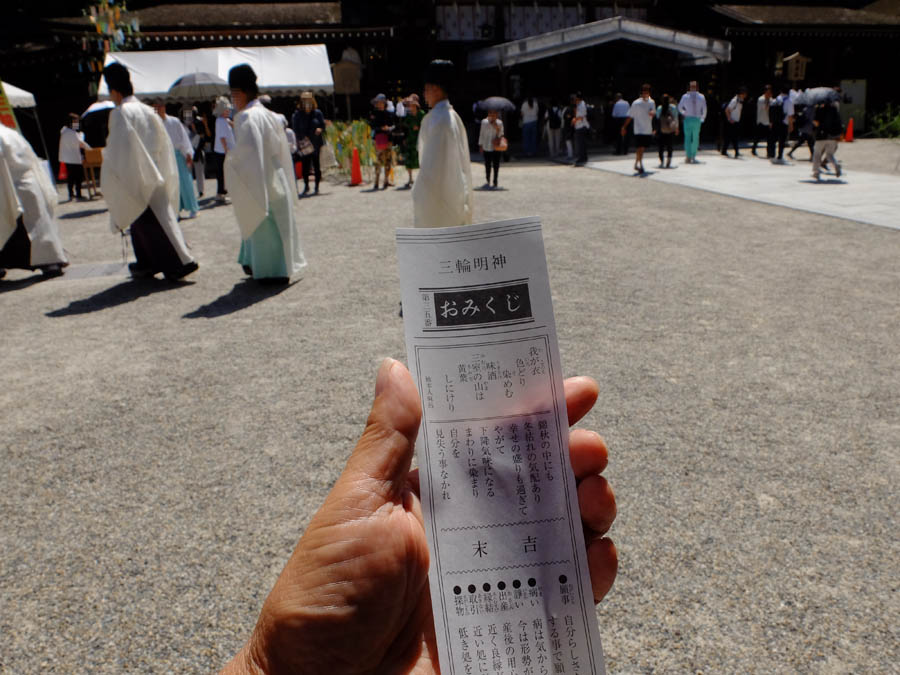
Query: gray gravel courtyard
[164, 445]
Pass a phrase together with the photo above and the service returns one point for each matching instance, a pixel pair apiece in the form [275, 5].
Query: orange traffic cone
[63, 173]
[848, 135]
[355, 170]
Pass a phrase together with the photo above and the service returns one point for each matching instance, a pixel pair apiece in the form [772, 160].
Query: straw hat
[412, 99]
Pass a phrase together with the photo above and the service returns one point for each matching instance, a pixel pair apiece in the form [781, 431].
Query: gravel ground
[165, 445]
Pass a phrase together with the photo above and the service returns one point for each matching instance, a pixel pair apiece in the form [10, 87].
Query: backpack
[667, 123]
[776, 112]
[554, 118]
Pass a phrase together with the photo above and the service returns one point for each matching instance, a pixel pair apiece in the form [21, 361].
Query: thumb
[385, 450]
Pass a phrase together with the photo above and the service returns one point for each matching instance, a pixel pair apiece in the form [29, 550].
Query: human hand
[354, 597]
[318, 132]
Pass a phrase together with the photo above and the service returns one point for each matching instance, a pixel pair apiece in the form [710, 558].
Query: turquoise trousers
[691, 136]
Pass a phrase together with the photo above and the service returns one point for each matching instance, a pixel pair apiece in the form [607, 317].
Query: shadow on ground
[127, 291]
[244, 294]
[82, 214]
[14, 285]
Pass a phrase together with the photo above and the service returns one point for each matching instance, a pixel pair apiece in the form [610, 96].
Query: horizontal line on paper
[484, 419]
[523, 522]
[510, 567]
[499, 332]
[465, 288]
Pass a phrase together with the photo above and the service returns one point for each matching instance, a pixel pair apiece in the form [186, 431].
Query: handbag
[500, 144]
[382, 141]
[306, 147]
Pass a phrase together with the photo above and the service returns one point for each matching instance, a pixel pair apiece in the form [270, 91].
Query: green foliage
[886, 124]
[345, 136]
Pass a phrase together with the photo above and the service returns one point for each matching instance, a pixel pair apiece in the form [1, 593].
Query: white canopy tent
[18, 98]
[284, 71]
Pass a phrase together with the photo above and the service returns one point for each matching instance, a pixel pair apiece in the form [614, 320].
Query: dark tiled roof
[243, 15]
[794, 15]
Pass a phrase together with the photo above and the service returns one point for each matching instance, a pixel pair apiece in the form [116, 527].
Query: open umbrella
[497, 103]
[816, 95]
[97, 107]
[196, 86]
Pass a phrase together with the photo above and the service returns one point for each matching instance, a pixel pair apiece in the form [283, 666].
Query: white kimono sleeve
[245, 175]
[442, 194]
[10, 206]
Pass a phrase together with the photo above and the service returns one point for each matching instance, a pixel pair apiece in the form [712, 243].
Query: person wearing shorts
[641, 113]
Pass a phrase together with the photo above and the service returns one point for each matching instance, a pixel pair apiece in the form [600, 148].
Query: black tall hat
[242, 77]
[442, 73]
[117, 77]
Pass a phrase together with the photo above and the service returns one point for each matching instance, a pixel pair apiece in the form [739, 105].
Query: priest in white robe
[29, 232]
[184, 158]
[140, 183]
[442, 194]
[260, 178]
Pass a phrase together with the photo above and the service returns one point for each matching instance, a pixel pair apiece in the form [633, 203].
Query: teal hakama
[263, 252]
[187, 200]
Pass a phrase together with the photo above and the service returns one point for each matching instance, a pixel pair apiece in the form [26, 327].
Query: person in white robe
[71, 145]
[140, 183]
[29, 232]
[184, 158]
[442, 194]
[259, 174]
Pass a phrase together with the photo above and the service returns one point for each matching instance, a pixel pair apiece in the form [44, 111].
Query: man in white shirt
[140, 183]
[582, 127]
[224, 141]
[442, 194]
[184, 158]
[642, 112]
[619, 115]
[733, 122]
[781, 114]
[692, 107]
[763, 123]
[71, 143]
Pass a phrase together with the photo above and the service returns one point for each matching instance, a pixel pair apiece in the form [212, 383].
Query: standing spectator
[529, 111]
[781, 114]
[71, 144]
[827, 122]
[733, 111]
[806, 131]
[642, 112]
[442, 197]
[382, 123]
[692, 107]
[184, 159]
[619, 117]
[201, 140]
[582, 128]
[568, 127]
[412, 122]
[554, 127]
[490, 144]
[763, 123]
[667, 116]
[308, 123]
[224, 141]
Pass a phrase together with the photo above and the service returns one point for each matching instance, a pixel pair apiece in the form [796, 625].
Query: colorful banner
[7, 116]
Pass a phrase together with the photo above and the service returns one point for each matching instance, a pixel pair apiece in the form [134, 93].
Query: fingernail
[384, 372]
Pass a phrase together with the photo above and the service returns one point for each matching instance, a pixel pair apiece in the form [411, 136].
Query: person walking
[140, 183]
[763, 123]
[184, 158]
[412, 123]
[224, 140]
[667, 122]
[733, 111]
[71, 145]
[641, 113]
[806, 130]
[554, 127]
[491, 144]
[568, 128]
[829, 129]
[529, 111]
[259, 170]
[442, 196]
[308, 124]
[582, 127]
[201, 140]
[781, 114]
[619, 116]
[382, 123]
[692, 107]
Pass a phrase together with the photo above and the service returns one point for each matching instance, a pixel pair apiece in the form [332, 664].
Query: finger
[581, 394]
[385, 450]
[587, 453]
[603, 563]
[597, 503]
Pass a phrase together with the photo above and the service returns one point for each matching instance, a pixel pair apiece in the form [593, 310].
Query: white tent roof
[18, 98]
[279, 70]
